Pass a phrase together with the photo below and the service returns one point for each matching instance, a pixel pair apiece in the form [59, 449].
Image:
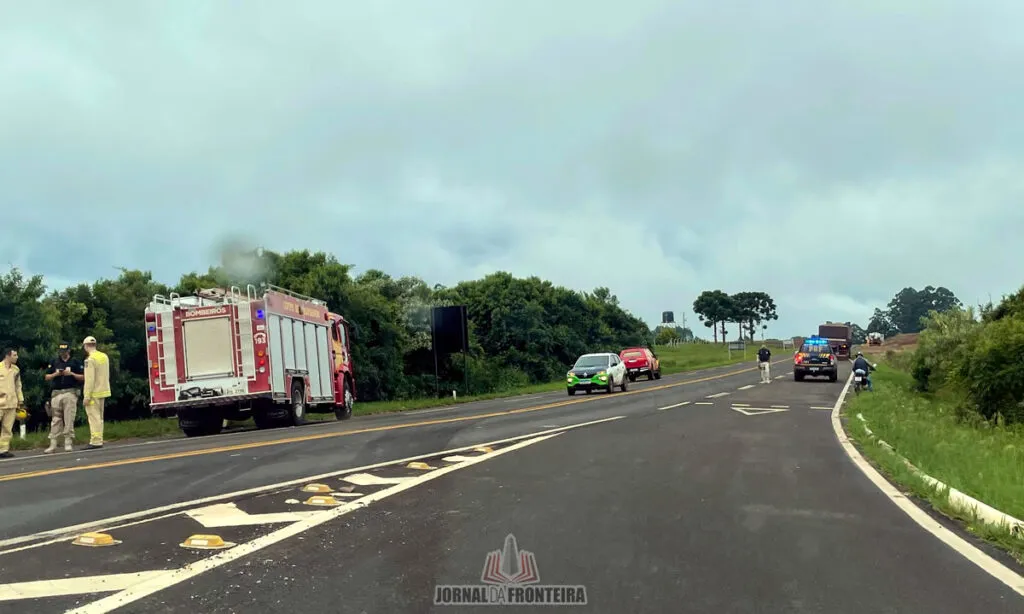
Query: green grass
[149, 428]
[979, 459]
[674, 359]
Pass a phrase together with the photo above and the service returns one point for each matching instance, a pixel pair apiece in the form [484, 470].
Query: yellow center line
[277, 442]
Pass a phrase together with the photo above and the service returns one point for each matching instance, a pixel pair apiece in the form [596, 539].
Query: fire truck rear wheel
[197, 424]
[297, 410]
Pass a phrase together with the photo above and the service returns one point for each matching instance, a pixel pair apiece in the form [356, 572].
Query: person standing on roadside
[97, 390]
[65, 375]
[11, 399]
[764, 362]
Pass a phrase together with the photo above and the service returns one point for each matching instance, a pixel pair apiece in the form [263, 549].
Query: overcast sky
[826, 153]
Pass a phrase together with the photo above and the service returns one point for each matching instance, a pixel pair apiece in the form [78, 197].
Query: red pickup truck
[641, 361]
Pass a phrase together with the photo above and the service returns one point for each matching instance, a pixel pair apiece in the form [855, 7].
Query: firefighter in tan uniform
[11, 399]
[65, 375]
[97, 390]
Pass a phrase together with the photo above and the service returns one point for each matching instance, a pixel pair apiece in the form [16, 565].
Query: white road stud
[418, 465]
[322, 501]
[316, 488]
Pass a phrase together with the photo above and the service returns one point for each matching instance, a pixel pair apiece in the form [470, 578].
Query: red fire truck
[270, 354]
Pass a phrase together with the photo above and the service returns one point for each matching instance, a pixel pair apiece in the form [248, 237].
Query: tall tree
[714, 307]
[752, 309]
[907, 309]
[880, 323]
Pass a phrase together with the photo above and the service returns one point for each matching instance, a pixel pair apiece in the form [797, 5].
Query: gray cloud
[696, 145]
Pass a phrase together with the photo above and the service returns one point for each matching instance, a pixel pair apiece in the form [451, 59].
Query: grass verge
[674, 359]
[981, 460]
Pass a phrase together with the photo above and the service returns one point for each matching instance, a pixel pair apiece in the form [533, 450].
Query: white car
[602, 371]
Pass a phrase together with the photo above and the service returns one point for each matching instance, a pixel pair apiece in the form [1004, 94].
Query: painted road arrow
[228, 515]
[757, 411]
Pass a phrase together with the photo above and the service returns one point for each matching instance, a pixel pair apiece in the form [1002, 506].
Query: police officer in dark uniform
[65, 375]
[764, 363]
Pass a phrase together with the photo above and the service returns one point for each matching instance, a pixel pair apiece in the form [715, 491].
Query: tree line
[521, 330]
[750, 311]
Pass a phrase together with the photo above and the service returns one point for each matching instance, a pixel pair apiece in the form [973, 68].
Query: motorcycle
[860, 380]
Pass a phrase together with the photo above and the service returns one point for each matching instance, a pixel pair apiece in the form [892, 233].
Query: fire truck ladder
[166, 355]
[245, 355]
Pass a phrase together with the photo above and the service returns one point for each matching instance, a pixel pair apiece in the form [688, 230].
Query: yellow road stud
[95, 540]
[484, 449]
[206, 542]
[418, 465]
[322, 501]
[316, 488]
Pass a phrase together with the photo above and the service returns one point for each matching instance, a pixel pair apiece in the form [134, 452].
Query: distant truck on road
[840, 337]
[270, 354]
[875, 338]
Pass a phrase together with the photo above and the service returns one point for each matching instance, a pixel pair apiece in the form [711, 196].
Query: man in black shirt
[65, 375]
[764, 358]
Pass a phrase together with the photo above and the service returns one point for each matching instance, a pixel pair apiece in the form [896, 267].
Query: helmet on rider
[860, 354]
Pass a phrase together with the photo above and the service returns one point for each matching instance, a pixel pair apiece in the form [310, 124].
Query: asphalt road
[700, 493]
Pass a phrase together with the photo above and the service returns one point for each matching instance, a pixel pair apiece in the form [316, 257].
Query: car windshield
[591, 361]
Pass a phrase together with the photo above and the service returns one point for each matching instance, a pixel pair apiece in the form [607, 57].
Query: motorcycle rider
[862, 364]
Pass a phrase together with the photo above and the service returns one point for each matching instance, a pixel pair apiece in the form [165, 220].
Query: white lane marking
[368, 479]
[457, 459]
[703, 403]
[780, 406]
[741, 404]
[420, 412]
[228, 515]
[170, 578]
[779, 376]
[68, 532]
[671, 406]
[993, 567]
[75, 586]
[828, 408]
[757, 411]
[715, 396]
[747, 387]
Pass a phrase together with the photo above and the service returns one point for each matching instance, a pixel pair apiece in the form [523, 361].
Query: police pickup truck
[815, 358]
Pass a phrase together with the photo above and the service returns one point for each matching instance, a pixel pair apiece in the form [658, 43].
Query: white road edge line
[64, 533]
[993, 567]
[747, 387]
[170, 578]
[715, 396]
[75, 586]
[671, 406]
